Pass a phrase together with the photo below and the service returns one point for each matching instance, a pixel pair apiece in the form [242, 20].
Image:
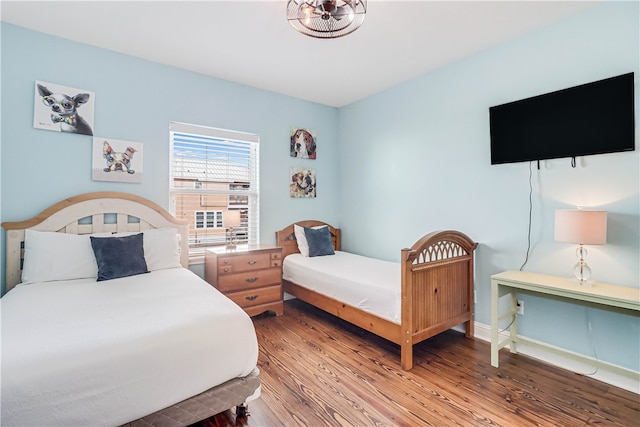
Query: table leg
[495, 343]
[513, 329]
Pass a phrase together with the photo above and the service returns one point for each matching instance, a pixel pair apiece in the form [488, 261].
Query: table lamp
[231, 219]
[583, 227]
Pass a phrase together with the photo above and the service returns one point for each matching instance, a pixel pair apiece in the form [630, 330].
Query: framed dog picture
[116, 160]
[302, 143]
[302, 182]
[63, 109]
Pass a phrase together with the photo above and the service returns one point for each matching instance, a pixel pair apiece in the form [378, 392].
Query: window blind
[214, 172]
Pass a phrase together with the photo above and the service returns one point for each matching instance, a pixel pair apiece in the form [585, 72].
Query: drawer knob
[251, 262]
[252, 279]
[226, 261]
[251, 297]
[226, 270]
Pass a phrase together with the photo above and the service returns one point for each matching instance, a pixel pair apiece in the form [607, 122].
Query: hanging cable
[513, 319]
[593, 346]
[530, 210]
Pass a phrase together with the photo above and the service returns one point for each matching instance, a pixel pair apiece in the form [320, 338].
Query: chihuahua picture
[64, 110]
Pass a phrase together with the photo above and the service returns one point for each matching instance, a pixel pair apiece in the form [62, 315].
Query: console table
[509, 282]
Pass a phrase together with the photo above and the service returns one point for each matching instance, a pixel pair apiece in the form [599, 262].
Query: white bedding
[81, 352]
[369, 284]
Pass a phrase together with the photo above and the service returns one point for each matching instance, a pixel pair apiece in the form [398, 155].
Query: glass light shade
[326, 19]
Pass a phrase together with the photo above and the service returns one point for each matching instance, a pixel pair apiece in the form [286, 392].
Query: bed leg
[468, 328]
[242, 410]
[406, 356]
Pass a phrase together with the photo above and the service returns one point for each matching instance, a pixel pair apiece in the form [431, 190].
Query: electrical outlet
[520, 307]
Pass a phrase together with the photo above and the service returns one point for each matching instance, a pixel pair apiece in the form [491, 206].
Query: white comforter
[371, 285]
[82, 353]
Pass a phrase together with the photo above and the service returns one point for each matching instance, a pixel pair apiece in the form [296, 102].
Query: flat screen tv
[593, 118]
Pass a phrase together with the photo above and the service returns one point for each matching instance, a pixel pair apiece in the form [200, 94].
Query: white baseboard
[605, 372]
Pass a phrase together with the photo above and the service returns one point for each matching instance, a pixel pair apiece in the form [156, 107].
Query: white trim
[609, 373]
[193, 166]
[213, 132]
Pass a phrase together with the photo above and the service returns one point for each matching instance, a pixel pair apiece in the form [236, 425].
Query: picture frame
[302, 183]
[63, 109]
[117, 160]
[302, 143]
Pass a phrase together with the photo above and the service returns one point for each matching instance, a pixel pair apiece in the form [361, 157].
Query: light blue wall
[416, 158]
[391, 168]
[136, 100]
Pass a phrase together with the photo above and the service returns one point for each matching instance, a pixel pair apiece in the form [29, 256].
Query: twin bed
[159, 348]
[428, 292]
[91, 337]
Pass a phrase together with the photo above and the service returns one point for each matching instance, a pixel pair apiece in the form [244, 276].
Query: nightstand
[249, 276]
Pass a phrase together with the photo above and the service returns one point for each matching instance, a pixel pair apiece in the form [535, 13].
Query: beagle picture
[302, 143]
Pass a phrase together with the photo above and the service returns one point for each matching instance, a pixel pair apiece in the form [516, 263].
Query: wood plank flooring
[320, 371]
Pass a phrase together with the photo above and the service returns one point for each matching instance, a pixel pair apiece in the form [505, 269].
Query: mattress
[369, 284]
[82, 352]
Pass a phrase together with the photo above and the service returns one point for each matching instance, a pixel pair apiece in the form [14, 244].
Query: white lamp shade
[231, 219]
[581, 226]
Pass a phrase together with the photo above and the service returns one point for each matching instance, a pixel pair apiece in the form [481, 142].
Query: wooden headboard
[286, 237]
[105, 211]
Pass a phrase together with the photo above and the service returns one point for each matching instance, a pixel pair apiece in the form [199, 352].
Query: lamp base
[581, 270]
[582, 283]
[231, 246]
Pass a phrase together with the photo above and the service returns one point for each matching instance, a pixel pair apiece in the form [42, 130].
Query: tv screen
[592, 118]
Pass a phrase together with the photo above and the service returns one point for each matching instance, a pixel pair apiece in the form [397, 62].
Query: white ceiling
[251, 42]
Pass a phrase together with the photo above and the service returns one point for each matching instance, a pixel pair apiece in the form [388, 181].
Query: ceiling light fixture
[326, 19]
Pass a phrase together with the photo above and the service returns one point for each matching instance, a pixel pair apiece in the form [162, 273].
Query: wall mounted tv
[593, 118]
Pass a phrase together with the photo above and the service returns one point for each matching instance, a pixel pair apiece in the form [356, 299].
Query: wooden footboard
[437, 289]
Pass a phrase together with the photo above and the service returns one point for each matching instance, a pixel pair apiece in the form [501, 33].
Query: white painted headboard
[105, 211]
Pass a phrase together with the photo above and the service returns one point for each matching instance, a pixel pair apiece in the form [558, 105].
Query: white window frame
[216, 219]
[248, 144]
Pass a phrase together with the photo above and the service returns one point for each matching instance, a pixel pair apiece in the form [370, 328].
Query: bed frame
[437, 289]
[113, 212]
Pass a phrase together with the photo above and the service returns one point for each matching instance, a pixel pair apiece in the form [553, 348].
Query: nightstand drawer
[253, 297]
[228, 265]
[249, 280]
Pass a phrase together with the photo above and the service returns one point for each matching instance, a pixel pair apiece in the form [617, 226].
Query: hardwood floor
[320, 371]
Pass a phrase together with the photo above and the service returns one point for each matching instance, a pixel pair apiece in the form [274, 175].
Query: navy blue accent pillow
[119, 256]
[319, 241]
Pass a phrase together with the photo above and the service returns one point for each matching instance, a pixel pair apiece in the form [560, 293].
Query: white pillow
[161, 247]
[301, 238]
[57, 256]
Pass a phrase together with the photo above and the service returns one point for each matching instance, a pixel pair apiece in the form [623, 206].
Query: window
[208, 219]
[213, 181]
